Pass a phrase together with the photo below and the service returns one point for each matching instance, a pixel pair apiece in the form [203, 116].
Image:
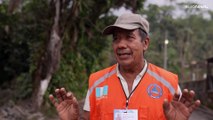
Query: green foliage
[24, 33]
[14, 50]
[90, 52]
[190, 38]
[75, 69]
[71, 74]
[23, 86]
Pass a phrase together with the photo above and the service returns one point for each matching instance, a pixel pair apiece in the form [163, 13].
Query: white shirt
[135, 82]
[124, 84]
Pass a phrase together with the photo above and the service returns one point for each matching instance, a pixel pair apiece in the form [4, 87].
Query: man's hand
[66, 104]
[180, 109]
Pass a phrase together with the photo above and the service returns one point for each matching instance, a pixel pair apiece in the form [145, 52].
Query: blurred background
[48, 44]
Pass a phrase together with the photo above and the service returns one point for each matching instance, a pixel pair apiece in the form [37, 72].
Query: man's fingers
[63, 93]
[166, 106]
[184, 96]
[75, 102]
[189, 98]
[58, 95]
[187, 95]
[52, 99]
[185, 92]
[69, 95]
[176, 97]
[72, 98]
[190, 95]
[194, 105]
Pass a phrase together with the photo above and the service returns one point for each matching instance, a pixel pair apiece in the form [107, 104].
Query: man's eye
[115, 38]
[130, 36]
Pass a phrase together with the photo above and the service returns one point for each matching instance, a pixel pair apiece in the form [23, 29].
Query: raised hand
[66, 104]
[180, 109]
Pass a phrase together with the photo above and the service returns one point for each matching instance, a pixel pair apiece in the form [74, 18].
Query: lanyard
[128, 98]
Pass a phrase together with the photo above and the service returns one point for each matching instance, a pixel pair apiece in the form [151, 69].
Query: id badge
[128, 114]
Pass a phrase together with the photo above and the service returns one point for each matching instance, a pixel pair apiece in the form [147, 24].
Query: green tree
[63, 41]
[189, 38]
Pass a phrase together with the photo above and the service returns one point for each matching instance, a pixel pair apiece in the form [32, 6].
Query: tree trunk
[13, 4]
[49, 61]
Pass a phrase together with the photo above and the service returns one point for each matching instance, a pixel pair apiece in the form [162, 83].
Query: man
[132, 89]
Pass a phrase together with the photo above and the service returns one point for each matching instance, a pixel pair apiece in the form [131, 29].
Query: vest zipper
[128, 98]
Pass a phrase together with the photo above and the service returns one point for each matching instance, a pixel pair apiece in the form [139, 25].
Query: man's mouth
[122, 54]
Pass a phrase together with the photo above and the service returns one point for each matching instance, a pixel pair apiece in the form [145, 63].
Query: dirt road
[202, 113]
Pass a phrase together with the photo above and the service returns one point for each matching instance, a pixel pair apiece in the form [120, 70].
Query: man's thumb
[166, 106]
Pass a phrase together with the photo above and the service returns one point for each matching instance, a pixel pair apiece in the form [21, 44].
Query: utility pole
[166, 42]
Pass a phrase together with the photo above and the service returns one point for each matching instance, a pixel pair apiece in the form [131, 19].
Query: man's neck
[130, 73]
[134, 69]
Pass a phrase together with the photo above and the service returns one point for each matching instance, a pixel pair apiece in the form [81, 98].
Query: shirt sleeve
[86, 103]
[179, 92]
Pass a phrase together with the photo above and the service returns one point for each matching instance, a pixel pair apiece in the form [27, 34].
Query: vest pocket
[108, 110]
[104, 109]
[143, 113]
[97, 111]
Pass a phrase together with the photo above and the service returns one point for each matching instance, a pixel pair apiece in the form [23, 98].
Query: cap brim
[110, 29]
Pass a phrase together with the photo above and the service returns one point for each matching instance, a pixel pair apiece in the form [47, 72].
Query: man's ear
[146, 43]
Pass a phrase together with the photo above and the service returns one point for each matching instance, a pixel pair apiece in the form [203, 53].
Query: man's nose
[122, 43]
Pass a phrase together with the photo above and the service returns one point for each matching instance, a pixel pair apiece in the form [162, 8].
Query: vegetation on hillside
[60, 41]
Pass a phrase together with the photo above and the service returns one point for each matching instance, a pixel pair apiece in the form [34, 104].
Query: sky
[202, 5]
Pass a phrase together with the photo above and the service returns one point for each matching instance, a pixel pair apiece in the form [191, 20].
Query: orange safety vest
[106, 93]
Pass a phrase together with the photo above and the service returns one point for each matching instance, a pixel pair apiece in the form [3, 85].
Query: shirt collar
[139, 75]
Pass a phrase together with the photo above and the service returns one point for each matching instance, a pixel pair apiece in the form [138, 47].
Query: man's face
[128, 47]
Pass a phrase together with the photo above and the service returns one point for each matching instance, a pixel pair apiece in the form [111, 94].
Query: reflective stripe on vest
[162, 80]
